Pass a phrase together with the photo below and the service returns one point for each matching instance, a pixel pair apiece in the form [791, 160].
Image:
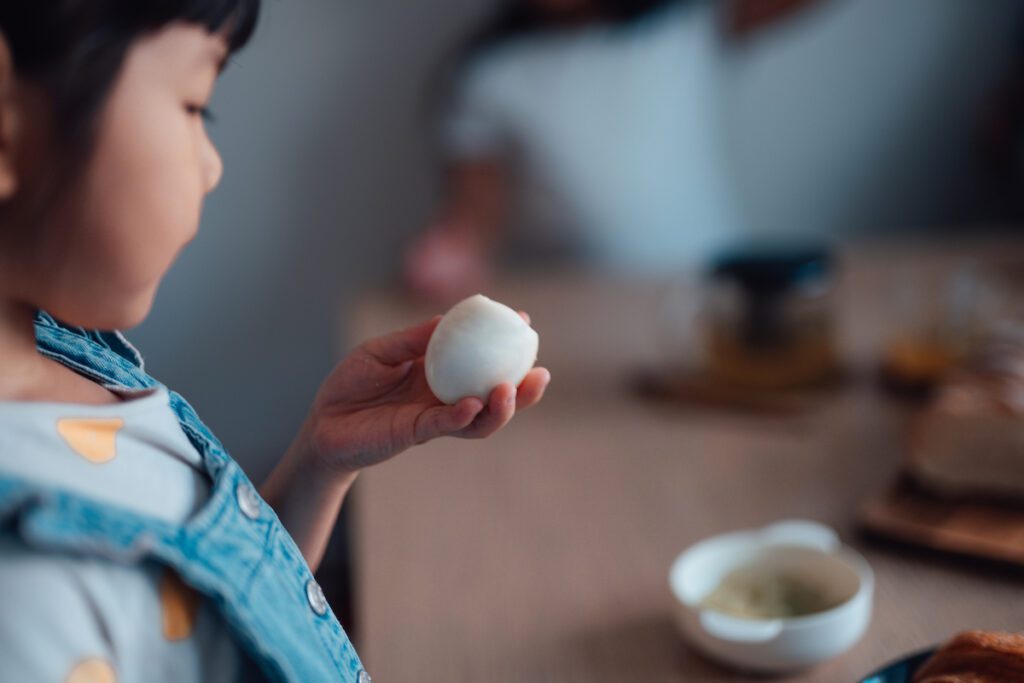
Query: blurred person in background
[592, 126]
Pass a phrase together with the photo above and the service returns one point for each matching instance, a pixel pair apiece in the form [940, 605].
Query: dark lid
[773, 270]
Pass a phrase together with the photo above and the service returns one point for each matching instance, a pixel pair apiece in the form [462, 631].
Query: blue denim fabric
[250, 569]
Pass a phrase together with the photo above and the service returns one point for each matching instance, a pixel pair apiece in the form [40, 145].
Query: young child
[132, 547]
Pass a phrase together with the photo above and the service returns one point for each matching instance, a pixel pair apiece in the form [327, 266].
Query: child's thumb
[399, 347]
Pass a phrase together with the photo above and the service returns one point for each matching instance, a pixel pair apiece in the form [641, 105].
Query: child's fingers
[398, 347]
[501, 406]
[532, 388]
[525, 316]
[444, 420]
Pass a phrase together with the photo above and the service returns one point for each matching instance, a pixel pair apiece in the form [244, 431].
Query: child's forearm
[307, 496]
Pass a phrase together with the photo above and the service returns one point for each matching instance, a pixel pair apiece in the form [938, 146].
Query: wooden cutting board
[907, 513]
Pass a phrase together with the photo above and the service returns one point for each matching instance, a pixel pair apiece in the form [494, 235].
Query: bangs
[235, 18]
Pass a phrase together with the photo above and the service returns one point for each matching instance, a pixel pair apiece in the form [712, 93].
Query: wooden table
[542, 554]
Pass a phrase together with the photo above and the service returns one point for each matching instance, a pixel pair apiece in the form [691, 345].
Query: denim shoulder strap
[105, 357]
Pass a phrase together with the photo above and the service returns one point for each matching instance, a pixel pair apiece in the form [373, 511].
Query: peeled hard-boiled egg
[478, 345]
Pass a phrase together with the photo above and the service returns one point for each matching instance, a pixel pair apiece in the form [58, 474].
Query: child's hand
[376, 404]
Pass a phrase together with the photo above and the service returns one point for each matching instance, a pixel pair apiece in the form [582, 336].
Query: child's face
[100, 255]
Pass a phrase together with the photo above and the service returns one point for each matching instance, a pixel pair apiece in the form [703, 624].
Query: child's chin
[134, 320]
[119, 316]
[133, 316]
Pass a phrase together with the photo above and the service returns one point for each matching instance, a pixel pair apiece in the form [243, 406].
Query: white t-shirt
[72, 618]
[615, 135]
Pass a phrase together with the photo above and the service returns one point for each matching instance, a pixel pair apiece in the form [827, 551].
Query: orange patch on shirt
[92, 671]
[179, 604]
[93, 439]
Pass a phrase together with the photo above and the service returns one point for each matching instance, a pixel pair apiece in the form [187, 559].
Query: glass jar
[768, 318]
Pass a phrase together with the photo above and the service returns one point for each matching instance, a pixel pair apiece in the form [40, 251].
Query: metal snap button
[248, 500]
[364, 677]
[316, 598]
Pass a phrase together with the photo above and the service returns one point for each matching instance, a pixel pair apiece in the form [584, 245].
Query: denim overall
[233, 550]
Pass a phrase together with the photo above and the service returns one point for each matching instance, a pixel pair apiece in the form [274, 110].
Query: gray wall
[833, 124]
[858, 114]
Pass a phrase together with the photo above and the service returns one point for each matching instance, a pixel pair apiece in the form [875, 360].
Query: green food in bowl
[757, 593]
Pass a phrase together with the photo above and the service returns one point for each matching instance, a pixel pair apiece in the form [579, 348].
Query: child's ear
[8, 122]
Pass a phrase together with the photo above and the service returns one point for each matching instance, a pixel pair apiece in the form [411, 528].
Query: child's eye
[199, 110]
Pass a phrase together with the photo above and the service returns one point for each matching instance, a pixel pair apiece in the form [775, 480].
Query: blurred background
[433, 147]
[847, 116]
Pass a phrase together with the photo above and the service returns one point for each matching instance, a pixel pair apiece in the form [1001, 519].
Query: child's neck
[27, 375]
[17, 342]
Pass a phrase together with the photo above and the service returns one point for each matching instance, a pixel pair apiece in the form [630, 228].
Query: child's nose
[212, 166]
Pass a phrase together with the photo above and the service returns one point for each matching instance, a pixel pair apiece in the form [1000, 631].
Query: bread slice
[976, 657]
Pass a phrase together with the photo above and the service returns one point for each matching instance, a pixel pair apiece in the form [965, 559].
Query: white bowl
[799, 547]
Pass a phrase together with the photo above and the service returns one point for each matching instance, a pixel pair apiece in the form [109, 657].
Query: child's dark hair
[74, 49]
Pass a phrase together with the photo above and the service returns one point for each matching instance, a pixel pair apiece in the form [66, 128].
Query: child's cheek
[146, 187]
[135, 206]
